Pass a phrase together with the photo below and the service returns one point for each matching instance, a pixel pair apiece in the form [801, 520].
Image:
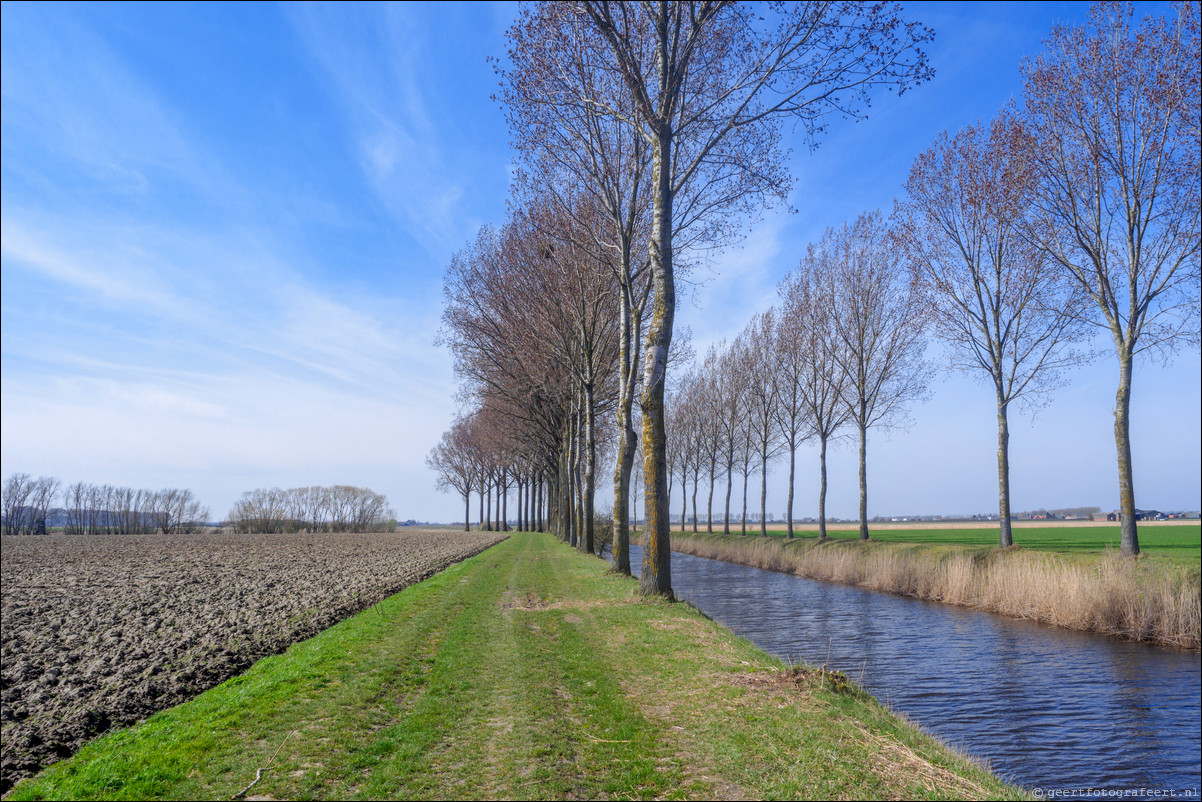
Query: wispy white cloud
[256, 308]
[104, 122]
[35, 251]
[155, 342]
[741, 280]
[412, 159]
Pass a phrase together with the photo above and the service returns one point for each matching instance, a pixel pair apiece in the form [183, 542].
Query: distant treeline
[29, 508]
[341, 508]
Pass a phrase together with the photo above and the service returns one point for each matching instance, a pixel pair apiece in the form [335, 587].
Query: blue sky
[225, 229]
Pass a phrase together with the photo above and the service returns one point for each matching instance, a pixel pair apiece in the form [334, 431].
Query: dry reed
[1113, 594]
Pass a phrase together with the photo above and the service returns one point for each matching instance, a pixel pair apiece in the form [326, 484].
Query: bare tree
[680, 455]
[708, 411]
[41, 500]
[811, 379]
[880, 320]
[1003, 308]
[758, 376]
[452, 459]
[728, 398]
[27, 503]
[1114, 111]
[17, 490]
[75, 500]
[686, 412]
[709, 82]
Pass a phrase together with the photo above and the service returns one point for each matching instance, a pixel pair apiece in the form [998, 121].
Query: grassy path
[524, 672]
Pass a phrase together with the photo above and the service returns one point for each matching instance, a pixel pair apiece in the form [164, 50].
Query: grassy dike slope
[524, 672]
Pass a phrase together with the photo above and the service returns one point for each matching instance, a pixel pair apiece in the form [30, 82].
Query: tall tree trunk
[467, 511]
[539, 482]
[482, 494]
[764, 489]
[564, 501]
[590, 470]
[745, 472]
[627, 440]
[1005, 534]
[578, 481]
[822, 487]
[488, 508]
[709, 505]
[730, 476]
[684, 497]
[503, 490]
[1122, 439]
[696, 477]
[863, 481]
[792, 481]
[574, 481]
[656, 576]
[627, 445]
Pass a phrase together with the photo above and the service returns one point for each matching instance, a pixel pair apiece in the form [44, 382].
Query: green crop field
[1176, 542]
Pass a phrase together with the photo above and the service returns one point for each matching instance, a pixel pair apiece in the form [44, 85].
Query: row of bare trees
[1074, 213]
[339, 508]
[1015, 242]
[842, 349]
[533, 327]
[27, 502]
[647, 133]
[479, 455]
[29, 508]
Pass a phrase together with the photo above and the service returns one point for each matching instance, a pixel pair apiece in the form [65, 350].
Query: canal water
[1046, 708]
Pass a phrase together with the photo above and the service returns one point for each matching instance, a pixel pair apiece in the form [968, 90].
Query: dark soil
[103, 631]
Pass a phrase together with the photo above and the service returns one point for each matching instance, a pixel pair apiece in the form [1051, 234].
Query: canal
[1046, 708]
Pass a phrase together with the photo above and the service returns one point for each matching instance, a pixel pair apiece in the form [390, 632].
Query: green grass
[1177, 543]
[524, 672]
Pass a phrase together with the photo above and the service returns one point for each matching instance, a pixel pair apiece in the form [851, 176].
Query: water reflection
[1047, 708]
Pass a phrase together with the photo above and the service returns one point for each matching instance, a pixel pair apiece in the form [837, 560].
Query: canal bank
[526, 672]
[1049, 709]
[1145, 600]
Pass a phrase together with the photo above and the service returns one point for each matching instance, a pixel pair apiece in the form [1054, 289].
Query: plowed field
[99, 631]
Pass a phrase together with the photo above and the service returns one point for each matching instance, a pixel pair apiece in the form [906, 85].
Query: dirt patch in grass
[799, 682]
